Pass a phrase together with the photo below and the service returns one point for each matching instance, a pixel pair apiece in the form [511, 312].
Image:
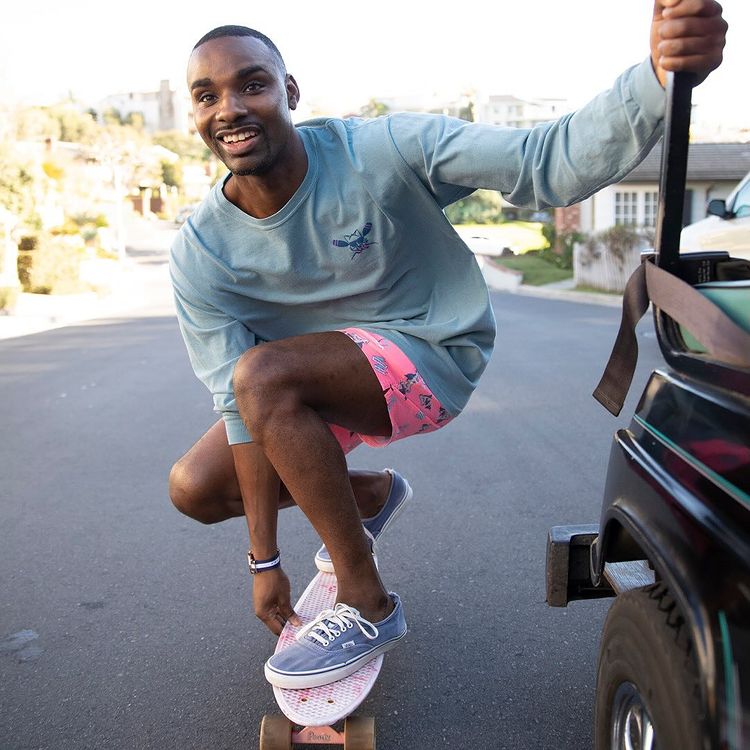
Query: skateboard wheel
[275, 733]
[359, 733]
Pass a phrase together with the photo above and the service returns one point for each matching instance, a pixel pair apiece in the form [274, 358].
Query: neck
[261, 196]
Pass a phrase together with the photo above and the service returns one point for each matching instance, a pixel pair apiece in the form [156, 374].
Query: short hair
[222, 31]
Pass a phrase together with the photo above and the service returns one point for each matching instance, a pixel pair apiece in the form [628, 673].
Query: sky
[342, 53]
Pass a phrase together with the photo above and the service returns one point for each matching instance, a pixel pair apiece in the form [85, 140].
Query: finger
[272, 621]
[691, 44]
[274, 625]
[293, 618]
[281, 620]
[693, 27]
[689, 47]
[691, 63]
[682, 8]
[288, 614]
[690, 54]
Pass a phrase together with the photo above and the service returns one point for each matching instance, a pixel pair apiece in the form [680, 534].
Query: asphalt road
[126, 625]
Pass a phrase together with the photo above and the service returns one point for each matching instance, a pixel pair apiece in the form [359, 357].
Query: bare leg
[203, 483]
[286, 391]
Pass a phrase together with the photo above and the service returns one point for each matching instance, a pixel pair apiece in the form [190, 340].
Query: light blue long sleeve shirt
[364, 241]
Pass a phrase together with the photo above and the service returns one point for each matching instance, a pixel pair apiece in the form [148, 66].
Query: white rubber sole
[326, 566]
[318, 679]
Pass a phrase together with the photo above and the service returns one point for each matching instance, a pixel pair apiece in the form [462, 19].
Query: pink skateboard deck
[329, 703]
[316, 710]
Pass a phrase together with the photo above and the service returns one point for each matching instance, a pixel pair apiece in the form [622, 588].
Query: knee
[189, 494]
[263, 386]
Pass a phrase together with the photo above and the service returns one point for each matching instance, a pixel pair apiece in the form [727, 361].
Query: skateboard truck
[279, 733]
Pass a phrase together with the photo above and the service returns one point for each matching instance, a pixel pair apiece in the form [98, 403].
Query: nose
[231, 107]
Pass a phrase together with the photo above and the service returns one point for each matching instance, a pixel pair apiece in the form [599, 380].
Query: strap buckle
[261, 566]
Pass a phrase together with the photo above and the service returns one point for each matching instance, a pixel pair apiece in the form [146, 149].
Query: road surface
[126, 625]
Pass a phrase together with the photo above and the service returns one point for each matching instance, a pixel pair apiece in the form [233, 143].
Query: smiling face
[242, 99]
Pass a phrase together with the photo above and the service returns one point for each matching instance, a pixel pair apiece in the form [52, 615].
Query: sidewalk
[502, 279]
[141, 287]
[565, 290]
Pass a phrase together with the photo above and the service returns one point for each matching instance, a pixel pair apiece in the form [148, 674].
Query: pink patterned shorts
[412, 407]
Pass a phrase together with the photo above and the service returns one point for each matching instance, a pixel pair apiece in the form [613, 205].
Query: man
[325, 301]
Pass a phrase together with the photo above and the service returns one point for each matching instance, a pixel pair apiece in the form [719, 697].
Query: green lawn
[535, 270]
[519, 236]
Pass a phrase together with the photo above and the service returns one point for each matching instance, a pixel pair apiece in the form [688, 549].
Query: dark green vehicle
[673, 540]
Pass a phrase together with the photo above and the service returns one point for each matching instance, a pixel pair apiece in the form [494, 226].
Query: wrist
[263, 541]
[262, 565]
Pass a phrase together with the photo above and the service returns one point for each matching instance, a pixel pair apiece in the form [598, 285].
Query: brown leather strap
[618, 374]
[723, 339]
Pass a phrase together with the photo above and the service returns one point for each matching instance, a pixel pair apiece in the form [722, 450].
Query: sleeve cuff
[646, 89]
[236, 430]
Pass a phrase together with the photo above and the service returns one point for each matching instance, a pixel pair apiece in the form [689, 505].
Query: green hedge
[50, 264]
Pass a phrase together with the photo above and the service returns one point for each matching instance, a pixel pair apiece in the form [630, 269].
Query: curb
[570, 295]
[499, 279]
[39, 313]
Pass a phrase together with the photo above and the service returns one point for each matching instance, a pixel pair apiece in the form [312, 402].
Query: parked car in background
[727, 226]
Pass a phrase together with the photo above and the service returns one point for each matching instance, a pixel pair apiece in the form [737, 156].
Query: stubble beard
[264, 166]
[261, 168]
[258, 171]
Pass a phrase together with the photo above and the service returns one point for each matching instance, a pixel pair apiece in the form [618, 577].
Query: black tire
[647, 675]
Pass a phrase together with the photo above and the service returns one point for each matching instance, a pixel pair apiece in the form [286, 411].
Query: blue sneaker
[334, 645]
[399, 494]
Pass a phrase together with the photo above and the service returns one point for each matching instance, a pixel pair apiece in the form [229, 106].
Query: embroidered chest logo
[357, 241]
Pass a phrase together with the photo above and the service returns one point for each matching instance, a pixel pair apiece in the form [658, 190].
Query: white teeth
[234, 138]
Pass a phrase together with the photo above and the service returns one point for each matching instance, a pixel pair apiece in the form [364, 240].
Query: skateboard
[312, 714]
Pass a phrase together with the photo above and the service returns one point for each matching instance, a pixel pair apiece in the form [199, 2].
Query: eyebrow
[241, 73]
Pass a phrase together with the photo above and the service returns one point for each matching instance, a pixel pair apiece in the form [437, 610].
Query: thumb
[660, 5]
[291, 616]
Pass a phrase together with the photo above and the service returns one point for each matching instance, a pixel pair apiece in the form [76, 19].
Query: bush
[26, 247]
[619, 242]
[95, 220]
[51, 264]
[8, 295]
[481, 207]
[565, 241]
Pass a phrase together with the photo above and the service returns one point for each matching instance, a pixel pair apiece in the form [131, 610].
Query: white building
[713, 171]
[510, 111]
[164, 109]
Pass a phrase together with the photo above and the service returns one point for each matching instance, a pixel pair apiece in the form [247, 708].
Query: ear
[292, 92]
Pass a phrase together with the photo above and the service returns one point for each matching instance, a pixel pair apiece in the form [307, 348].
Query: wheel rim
[632, 728]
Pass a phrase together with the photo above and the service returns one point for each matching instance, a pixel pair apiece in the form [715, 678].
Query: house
[713, 171]
[164, 109]
[510, 111]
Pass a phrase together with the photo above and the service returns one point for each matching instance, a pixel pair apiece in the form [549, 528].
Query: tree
[171, 173]
[36, 124]
[112, 116]
[374, 108]
[135, 120]
[61, 122]
[75, 126]
[467, 112]
[188, 147]
[16, 185]
[481, 207]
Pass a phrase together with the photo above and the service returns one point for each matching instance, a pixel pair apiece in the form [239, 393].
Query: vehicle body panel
[730, 232]
[678, 494]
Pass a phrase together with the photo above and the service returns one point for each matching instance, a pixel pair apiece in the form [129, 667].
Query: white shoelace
[331, 623]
